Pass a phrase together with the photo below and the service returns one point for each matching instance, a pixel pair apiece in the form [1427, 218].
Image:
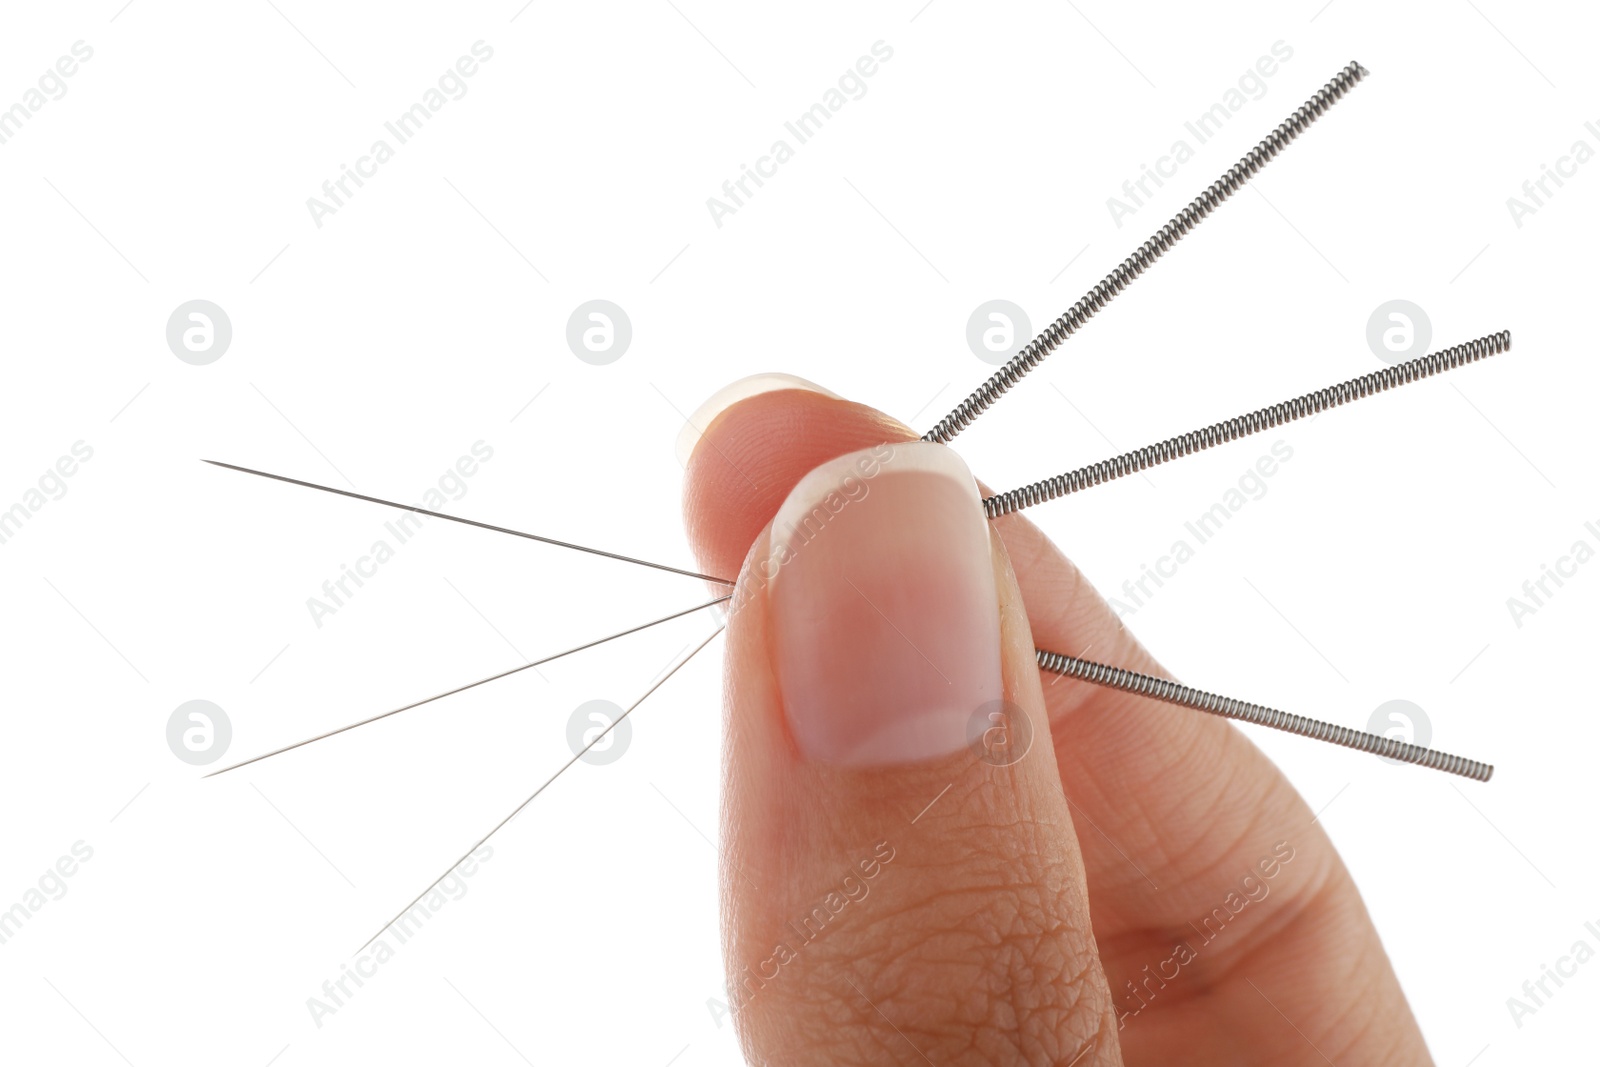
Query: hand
[906, 879]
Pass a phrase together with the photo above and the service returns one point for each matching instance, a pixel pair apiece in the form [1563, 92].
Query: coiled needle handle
[1244, 425]
[1072, 320]
[1228, 708]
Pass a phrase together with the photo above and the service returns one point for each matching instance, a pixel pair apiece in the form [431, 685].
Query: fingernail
[882, 595]
[731, 394]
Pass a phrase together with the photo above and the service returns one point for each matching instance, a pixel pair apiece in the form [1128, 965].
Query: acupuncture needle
[1286, 411]
[1171, 692]
[559, 771]
[1144, 256]
[470, 522]
[480, 681]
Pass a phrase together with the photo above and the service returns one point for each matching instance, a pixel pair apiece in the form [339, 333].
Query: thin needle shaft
[534, 795]
[471, 522]
[471, 685]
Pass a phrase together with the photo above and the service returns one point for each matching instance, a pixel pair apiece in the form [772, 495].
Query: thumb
[902, 881]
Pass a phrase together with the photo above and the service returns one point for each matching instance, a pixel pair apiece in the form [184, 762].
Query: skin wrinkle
[996, 974]
[1006, 935]
[1089, 794]
[1134, 949]
[1342, 1032]
[1313, 934]
[1124, 725]
[1331, 904]
[1270, 798]
[1213, 968]
[1136, 795]
[1009, 975]
[1221, 865]
[1369, 1025]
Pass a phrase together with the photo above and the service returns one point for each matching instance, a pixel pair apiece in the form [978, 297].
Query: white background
[424, 315]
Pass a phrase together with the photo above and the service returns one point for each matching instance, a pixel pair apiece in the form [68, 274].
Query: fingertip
[769, 382]
[751, 453]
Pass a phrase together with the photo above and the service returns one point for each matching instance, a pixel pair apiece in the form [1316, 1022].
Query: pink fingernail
[883, 606]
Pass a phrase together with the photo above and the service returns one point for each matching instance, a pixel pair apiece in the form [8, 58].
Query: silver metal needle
[1228, 708]
[1074, 318]
[471, 685]
[1244, 425]
[470, 522]
[534, 795]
